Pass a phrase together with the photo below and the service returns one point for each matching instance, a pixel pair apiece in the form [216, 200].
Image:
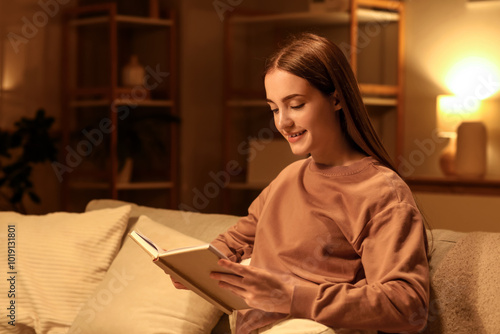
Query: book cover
[192, 266]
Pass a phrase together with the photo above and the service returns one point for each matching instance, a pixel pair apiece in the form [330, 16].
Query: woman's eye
[274, 111]
[297, 106]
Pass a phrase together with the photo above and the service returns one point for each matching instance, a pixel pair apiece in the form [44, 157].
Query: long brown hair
[326, 68]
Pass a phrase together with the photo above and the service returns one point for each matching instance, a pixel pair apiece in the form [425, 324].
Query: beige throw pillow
[137, 297]
[57, 261]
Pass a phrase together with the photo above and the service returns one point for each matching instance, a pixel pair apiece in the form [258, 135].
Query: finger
[229, 278]
[234, 267]
[230, 282]
[233, 288]
[178, 285]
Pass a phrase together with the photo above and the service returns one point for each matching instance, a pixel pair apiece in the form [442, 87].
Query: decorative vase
[471, 150]
[133, 73]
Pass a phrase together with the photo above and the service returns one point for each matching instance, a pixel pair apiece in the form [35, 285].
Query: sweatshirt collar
[353, 168]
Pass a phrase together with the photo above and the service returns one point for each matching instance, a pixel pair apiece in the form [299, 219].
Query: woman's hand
[177, 284]
[259, 288]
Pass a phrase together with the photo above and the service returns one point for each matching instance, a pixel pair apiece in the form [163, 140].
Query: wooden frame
[378, 95]
[370, 89]
[109, 95]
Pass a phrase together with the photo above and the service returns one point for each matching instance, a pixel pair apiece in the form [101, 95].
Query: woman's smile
[294, 137]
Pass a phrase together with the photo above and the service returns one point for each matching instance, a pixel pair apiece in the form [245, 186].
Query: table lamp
[459, 120]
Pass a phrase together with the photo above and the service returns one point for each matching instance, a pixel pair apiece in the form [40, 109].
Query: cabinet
[371, 35]
[109, 129]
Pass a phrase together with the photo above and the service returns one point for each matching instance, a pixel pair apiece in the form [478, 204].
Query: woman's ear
[335, 98]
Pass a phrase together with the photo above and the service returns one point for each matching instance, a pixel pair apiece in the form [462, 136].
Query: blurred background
[161, 102]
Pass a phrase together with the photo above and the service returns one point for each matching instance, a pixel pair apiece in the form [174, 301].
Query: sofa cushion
[58, 261]
[465, 294]
[136, 296]
[197, 225]
[440, 243]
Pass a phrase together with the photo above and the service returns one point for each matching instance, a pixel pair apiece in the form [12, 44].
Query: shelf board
[454, 185]
[123, 19]
[121, 102]
[122, 186]
[147, 103]
[144, 185]
[101, 90]
[339, 18]
[368, 100]
[247, 103]
[247, 186]
[380, 101]
[376, 89]
[489, 187]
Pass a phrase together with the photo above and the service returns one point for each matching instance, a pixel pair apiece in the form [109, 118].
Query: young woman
[336, 238]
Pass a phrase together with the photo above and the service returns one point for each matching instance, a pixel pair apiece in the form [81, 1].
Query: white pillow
[306, 326]
[136, 296]
[202, 226]
[60, 258]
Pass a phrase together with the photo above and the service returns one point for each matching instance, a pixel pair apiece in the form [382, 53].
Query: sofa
[80, 273]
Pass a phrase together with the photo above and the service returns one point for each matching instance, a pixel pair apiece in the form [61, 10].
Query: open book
[191, 266]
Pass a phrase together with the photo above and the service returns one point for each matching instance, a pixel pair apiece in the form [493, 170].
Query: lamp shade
[452, 110]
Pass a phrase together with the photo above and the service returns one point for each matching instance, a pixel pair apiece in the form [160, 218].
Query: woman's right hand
[178, 285]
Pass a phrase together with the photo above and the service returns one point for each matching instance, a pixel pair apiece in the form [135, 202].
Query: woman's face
[304, 116]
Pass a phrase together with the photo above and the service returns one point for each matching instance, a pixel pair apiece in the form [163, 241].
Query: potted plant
[30, 144]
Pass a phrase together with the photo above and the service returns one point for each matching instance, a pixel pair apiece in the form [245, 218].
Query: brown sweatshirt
[350, 239]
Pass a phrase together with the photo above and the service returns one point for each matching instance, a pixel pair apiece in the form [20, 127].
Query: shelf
[335, 18]
[122, 19]
[247, 103]
[380, 101]
[370, 101]
[375, 89]
[91, 87]
[453, 185]
[246, 186]
[122, 186]
[144, 185]
[245, 32]
[121, 102]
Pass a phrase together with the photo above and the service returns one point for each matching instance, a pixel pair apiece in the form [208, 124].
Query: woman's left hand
[259, 288]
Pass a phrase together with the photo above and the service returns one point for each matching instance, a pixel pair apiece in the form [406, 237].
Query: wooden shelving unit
[331, 18]
[99, 34]
[247, 103]
[123, 186]
[450, 185]
[127, 19]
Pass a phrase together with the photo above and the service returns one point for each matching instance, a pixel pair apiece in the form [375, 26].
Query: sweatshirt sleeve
[394, 295]
[237, 242]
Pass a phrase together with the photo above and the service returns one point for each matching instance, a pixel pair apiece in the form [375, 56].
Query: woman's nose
[284, 120]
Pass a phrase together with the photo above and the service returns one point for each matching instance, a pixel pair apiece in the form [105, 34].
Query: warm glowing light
[7, 84]
[458, 105]
[453, 110]
[474, 77]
